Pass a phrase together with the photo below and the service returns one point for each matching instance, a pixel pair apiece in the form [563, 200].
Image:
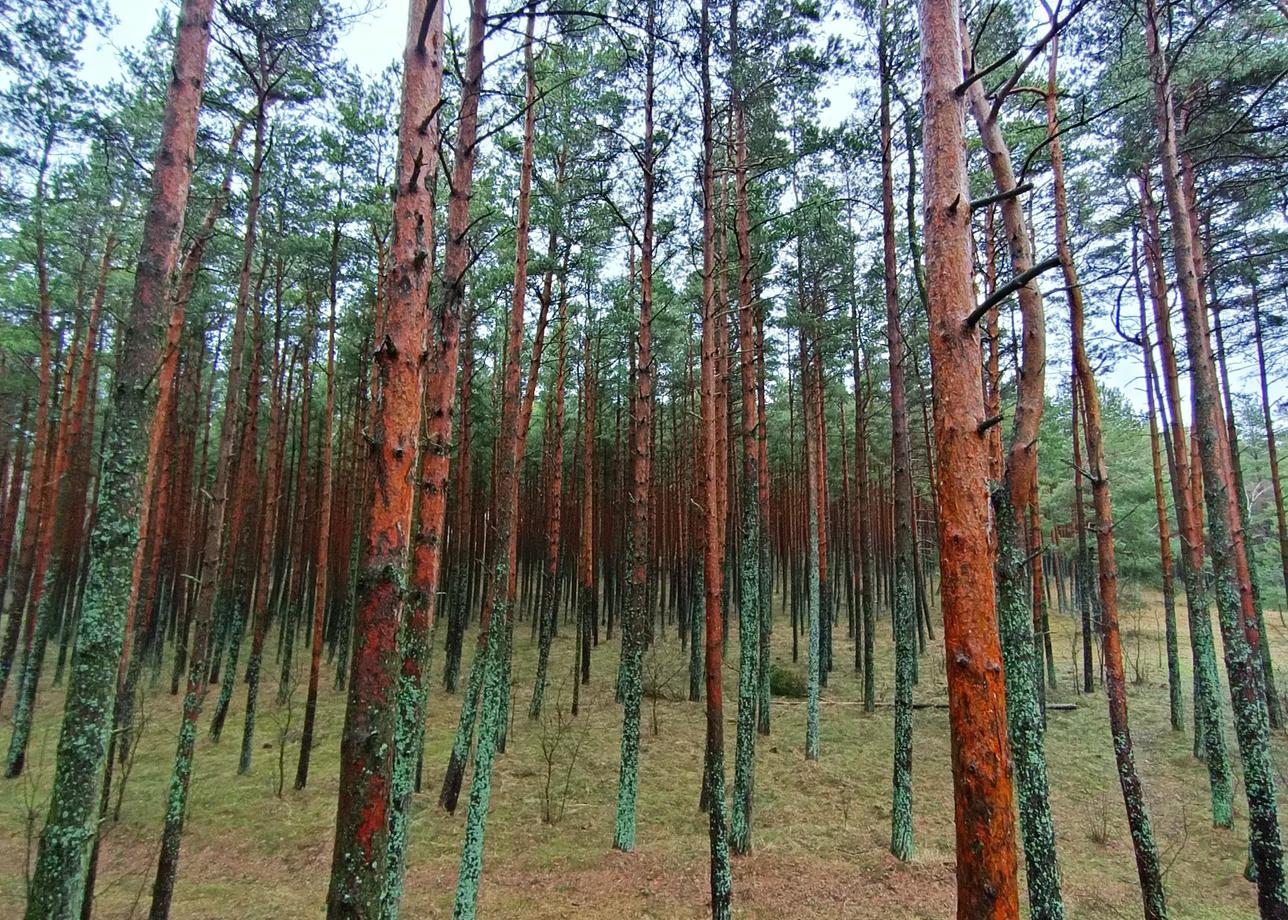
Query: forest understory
[822, 827]
[540, 397]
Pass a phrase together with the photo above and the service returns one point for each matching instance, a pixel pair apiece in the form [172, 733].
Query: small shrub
[787, 682]
[1099, 832]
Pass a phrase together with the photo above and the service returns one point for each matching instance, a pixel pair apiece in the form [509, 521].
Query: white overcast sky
[373, 40]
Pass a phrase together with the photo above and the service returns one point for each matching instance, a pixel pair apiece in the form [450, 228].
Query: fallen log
[1051, 707]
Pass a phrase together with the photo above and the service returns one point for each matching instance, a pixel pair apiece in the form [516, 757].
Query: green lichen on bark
[904, 612]
[631, 686]
[1142, 830]
[749, 654]
[825, 629]
[29, 679]
[235, 629]
[344, 625]
[721, 876]
[410, 698]
[869, 640]
[549, 611]
[1273, 706]
[1024, 715]
[1209, 733]
[490, 723]
[71, 823]
[252, 698]
[1175, 696]
[455, 627]
[176, 803]
[812, 686]
[765, 633]
[464, 738]
[289, 628]
[1251, 718]
[697, 628]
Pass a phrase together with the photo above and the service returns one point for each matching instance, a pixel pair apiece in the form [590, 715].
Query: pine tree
[71, 822]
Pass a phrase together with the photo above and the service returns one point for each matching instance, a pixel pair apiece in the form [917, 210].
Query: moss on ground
[821, 828]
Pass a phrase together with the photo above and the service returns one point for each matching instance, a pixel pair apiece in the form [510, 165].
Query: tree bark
[713, 458]
[321, 568]
[986, 867]
[1209, 733]
[750, 509]
[1225, 542]
[1147, 864]
[1176, 702]
[1272, 446]
[71, 824]
[903, 611]
[1015, 497]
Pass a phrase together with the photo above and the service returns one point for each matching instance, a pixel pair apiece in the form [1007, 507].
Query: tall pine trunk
[1209, 732]
[71, 822]
[903, 611]
[712, 460]
[1015, 498]
[321, 568]
[1148, 868]
[986, 866]
[1176, 700]
[1233, 587]
[359, 864]
[638, 540]
[750, 612]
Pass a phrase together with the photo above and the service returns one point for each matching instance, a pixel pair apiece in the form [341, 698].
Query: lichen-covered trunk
[1209, 732]
[822, 505]
[1235, 608]
[493, 651]
[861, 528]
[586, 559]
[418, 140]
[164, 424]
[749, 506]
[321, 568]
[1015, 497]
[1176, 700]
[813, 663]
[548, 611]
[1148, 868]
[71, 822]
[903, 610]
[638, 538]
[766, 573]
[712, 460]
[1274, 707]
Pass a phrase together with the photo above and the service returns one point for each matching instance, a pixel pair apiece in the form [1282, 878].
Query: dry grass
[821, 829]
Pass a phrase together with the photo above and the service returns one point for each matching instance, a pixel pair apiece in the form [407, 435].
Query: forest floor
[821, 829]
